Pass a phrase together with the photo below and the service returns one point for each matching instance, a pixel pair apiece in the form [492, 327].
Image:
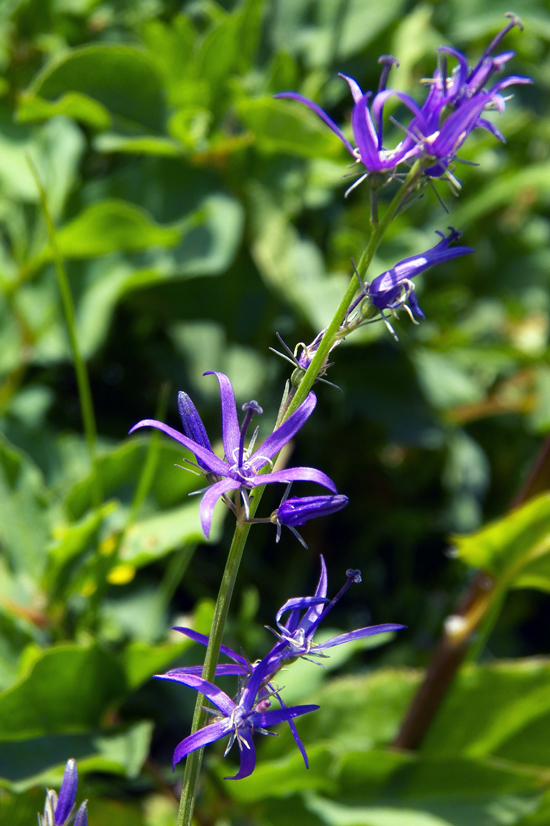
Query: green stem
[333, 328]
[82, 380]
[194, 760]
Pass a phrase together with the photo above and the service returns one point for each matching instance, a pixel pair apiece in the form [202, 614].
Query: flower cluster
[58, 810]
[452, 109]
[243, 469]
[250, 710]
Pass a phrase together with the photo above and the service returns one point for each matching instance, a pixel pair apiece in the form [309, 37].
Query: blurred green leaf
[68, 689]
[25, 763]
[73, 105]
[515, 549]
[123, 79]
[287, 126]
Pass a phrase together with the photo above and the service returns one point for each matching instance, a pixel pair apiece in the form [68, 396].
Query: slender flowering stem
[333, 328]
[82, 380]
[194, 759]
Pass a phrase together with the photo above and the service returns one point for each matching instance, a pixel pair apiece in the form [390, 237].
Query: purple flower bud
[299, 509]
[67, 793]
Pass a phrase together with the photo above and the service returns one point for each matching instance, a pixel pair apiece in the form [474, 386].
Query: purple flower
[58, 809]
[241, 468]
[367, 124]
[300, 509]
[296, 634]
[464, 95]
[239, 720]
[393, 288]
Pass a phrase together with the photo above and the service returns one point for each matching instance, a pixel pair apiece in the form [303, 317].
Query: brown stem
[460, 627]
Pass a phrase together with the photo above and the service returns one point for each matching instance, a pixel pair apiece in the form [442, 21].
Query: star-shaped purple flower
[241, 468]
[239, 720]
[367, 124]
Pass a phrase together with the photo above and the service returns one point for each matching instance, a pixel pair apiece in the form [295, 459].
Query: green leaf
[68, 689]
[123, 79]
[110, 226]
[74, 105]
[494, 704]
[147, 145]
[289, 127]
[515, 549]
[23, 512]
[26, 763]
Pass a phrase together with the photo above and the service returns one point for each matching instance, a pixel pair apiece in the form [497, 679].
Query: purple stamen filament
[352, 576]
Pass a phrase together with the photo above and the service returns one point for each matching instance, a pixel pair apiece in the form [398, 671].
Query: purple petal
[365, 135]
[230, 424]
[202, 737]
[81, 817]
[379, 101]
[320, 112]
[192, 422]
[294, 474]
[210, 460]
[486, 124]
[247, 755]
[457, 127]
[222, 670]
[298, 604]
[252, 687]
[283, 434]
[210, 498]
[67, 793]
[358, 634]
[279, 715]
[315, 611]
[214, 694]
[294, 732]
[354, 87]
[462, 62]
[203, 640]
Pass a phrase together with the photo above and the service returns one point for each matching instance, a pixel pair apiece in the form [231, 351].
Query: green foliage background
[198, 217]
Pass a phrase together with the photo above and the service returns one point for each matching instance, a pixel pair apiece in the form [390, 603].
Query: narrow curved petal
[192, 422]
[365, 135]
[214, 694]
[231, 433]
[67, 793]
[279, 715]
[283, 434]
[321, 113]
[379, 101]
[210, 498]
[462, 62]
[252, 687]
[294, 474]
[203, 640]
[458, 126]
[313, 613]
[359, 634]
[202, 737]
[486, 124]
[298, 604]
[222, 670]
[210, 460]
[297, 739]
[354, 87]
[247, 754]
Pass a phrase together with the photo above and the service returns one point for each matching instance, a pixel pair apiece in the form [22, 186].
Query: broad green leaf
[73, 105]
[515, 549]
[492, 704]
[154, 537]
[23, 512]
[41, 760]
[283, 777]
[337, 814]
[109, 226]
[123, 79]
[68, 689]
[288, 127]
[444, 381]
